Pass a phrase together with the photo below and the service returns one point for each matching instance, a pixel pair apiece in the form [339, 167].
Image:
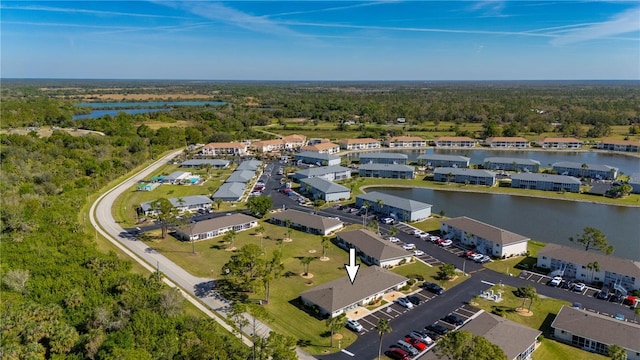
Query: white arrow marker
[352, 268]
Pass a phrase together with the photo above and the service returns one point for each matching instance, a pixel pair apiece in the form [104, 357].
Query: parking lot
[464, 312]
[543, 279]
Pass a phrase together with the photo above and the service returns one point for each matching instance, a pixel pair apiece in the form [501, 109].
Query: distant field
[46, 131]
[142, 97]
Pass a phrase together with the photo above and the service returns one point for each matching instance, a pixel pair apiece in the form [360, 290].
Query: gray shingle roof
[252, 165]
[181, 201]
[322, 170]
[201, 162]
[218, 223]
[578, 166]
[373, 245]
[340, 293]
[485, 231]
[309, 220]
[441, 157]
[511, 337]
[464, 171]
[582, 257]
[229, 191]
[383, 155]
[563, 179]
[240, 176]
[325, 186]
[315, 155]
[510, 160]
[601, 328]
[175, 175]
[389, 167]
[395, 201]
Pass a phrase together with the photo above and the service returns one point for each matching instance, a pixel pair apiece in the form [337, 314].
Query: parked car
[354, 325]
[394, 239]
[602, 294]
[418, 253]
[407, 347]
[409, 246]
[453, 319]
[476, 257]
[387, 220]
[434, 238]
[484, 259]
[418, 233]
[437, 329]
[416, 343]
[421, 336]
[414, 299]
[568, 284]
[555, 281]
[415, 232]
[433, 287]
[425, 236]
[446, 243]
[404, 302]
[615, 298]
[397, 354]
[579, 287]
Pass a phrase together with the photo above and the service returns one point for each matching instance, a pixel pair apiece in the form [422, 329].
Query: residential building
[465, 176]
[224, 148]
[372, 249]
[241, 176]
[455, 141]
[619, 145]
[148, 186]
[634, 181]
[251, 165]
[383, 158]
[516, 340]
[294, 141]
[208, 229]
[545, 182]
[487, 239]
[181, 204]
[595, 332]
[405, 142]
[560, 143]
[395, 207]
[330, 173]
[512, 164]
[322, 148]
[202, 163]
[359, 144]
[438, 160]
[616, 273]
[176, 177]
[230, 192]
[315, 141]
[309, 157]
[321, 189]
[507, 142]
[389, 171]
[338, 296]
[265, 146]
[594, 171]
[310, 223]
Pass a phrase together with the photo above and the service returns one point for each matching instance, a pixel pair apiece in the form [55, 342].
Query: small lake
[540, 219]
[626, 164]
[150, 104]
[96, 114]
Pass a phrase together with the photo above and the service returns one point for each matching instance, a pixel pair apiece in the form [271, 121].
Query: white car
[579, 287]
[424, 236]
[404, 303]
[421, 336]
[433, 238]
[418, 233]
[354, 325]
[476, 257]
[394, 239]
[446, 243]
[555, 281]
[418, 253]
[409, 246]
[415, 232]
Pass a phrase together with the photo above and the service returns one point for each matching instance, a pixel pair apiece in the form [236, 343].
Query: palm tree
[593, 267]
[260, 230]
[326, 243]
[305, 261]
[287, 224]
[393, 231]
[380, 204]
[366, 205]
[230, 236]
[584, 168]
[617, 352]
[336, 323]
[218, 203]
[383, 328]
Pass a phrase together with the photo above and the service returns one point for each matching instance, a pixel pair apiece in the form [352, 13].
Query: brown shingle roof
[406, 138]
[561, 140]
[319, 147]
[506, 139]
[373, 245]
[598, 327]
[339, 293]
[620, 142]
[485, 231]
[454, 138]
[578, 256]
[309, 220]
[226, 145]
[359, 141]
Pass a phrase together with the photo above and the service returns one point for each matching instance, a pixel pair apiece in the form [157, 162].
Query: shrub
[402, 262]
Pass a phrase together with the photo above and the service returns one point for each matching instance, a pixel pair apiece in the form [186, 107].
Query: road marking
[486, 282]
[364, 319]
[348, 352]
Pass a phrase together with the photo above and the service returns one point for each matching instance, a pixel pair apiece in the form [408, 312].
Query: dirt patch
[324, 258]
[337, 336]
[312, 251]
[307, 276]
[46, 131]
[233, 248]
[524, 312]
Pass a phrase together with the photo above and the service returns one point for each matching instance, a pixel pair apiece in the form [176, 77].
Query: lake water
[626, 164]
[96, 114]
[150, 104]
[540, 219]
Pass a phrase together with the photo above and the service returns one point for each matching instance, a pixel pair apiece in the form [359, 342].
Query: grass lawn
[516, 264]
[429, 273]
[553, 350]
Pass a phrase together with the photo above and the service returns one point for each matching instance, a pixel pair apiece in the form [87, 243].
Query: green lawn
[429, 273]
[553, 350]
[516, 264]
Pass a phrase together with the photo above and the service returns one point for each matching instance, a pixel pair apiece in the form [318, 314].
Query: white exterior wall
[337, 196]
[421, 214]
[511, 249]
[394, 262]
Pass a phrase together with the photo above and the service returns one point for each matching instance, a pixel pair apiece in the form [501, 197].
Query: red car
[416, 343]
[397, 354]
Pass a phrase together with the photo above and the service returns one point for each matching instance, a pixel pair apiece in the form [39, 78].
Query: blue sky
[319, 40]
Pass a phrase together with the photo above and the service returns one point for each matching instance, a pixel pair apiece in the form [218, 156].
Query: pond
[149, 104]
[96, 114]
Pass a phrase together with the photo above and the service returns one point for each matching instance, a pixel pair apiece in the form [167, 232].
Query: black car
[453, 319]
[434, 288]
[437, 329]
[414, 299]
[615, 298]
[567, 284]
[602, 295]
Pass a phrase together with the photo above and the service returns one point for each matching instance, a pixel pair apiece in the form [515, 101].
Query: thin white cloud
[86, 11]
[623, 23]
[337, 8]
[490, 8]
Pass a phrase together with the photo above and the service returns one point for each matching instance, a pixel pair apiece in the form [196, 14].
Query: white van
[408, 348]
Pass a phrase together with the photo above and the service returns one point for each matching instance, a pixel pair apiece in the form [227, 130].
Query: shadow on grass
[313, 311]
[546, 325]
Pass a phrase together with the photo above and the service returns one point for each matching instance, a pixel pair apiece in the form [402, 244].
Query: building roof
[510, 160]
[562, 140]
[383, 155]
[181, 201]
[229, 191]
[486, 231]
[511, 337]
[320, 146]
[373, 245]
[309, 220]
[388, 167]
[337, 294]
[200, 162]
[358, 141]
[315, 155]
[546, 177]
[325, 186]
[464, 171]
[294, 138]
[405, 138]
[634, 178]
[620, 142]
[601, 328]
[322, 170]
[578, 166]
[394, 201]
[252, 165]
[226, 145]
[441, 157]
[218, 223]
[506, 139]
[268, 142]
[240, 176]
[579, 256]
[177, 175]
[453, 138]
